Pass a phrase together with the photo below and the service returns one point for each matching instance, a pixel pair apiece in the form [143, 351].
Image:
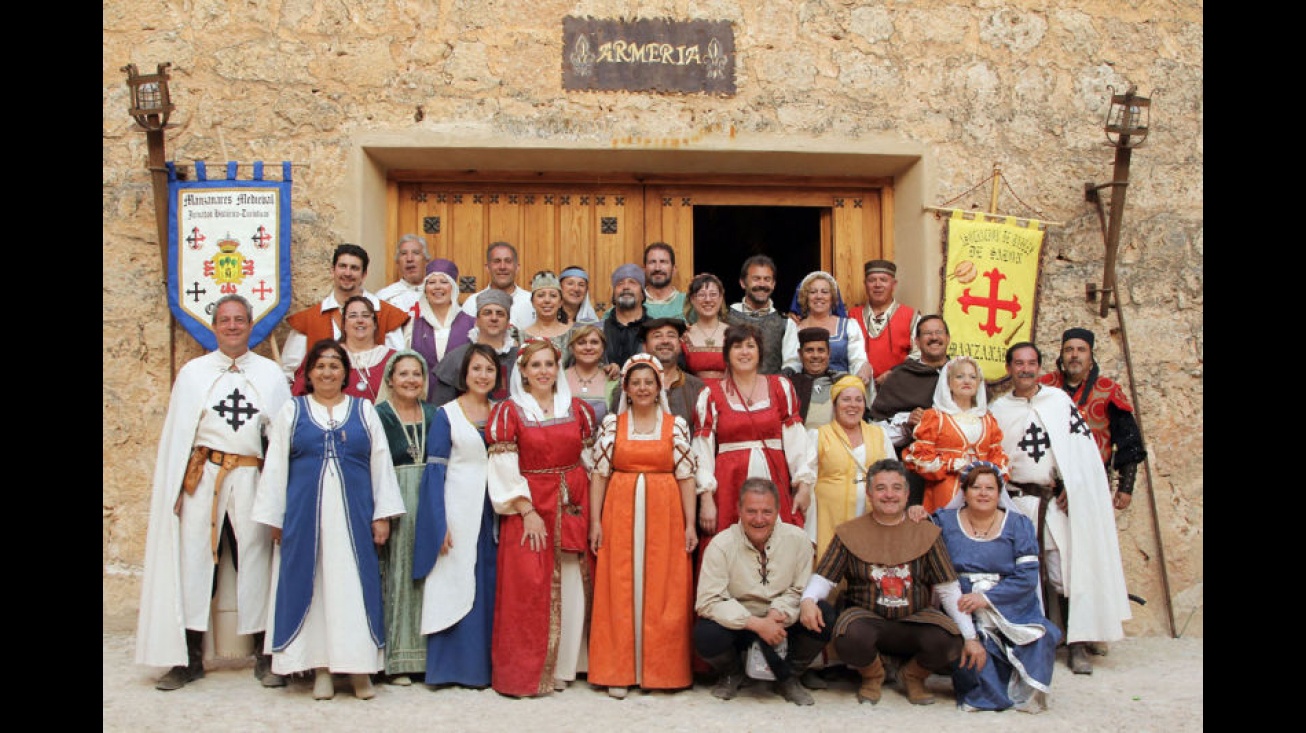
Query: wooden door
[596, 227]
[599, 226]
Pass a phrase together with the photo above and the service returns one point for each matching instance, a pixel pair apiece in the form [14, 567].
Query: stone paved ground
[1145, 685]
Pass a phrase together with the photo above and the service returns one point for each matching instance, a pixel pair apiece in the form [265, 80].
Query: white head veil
[959, 498]
[943, 401]
[517, 391]
[646, 360]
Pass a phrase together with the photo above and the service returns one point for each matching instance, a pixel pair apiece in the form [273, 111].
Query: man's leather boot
[913, 679]
[872, 680]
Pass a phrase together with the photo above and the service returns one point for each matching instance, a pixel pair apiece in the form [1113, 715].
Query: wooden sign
[648, 55]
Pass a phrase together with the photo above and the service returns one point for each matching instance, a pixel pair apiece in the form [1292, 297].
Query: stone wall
[1024, 84]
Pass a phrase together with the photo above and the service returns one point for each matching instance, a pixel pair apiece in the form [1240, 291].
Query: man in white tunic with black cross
[205, 476]
[1058, 481]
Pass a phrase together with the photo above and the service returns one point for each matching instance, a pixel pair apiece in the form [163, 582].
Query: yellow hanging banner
[990, 288]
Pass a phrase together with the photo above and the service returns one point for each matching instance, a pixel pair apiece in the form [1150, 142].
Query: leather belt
[1021, 489]
[226, 462]
[1018, 488]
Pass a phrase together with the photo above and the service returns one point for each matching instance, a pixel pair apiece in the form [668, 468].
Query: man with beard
[757, 278]
[887, 325]
[1103, 403]
[908, 391]
[661, 338]
[501, 263]
[1059, 482]
[411, 256]
[661, 299]
[622, 324]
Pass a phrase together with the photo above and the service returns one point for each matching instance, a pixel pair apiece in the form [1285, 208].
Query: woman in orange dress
[642, 533]
[957, 431]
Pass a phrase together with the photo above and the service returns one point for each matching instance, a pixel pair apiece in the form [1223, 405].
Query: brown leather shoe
[913, 679]
[872, 681]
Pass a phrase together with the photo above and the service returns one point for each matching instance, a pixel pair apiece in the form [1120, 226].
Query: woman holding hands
[455, 549]
[540, 440]
[328, 491]
[642, 531]
[748, 425]
[995, 552]
[407, 420]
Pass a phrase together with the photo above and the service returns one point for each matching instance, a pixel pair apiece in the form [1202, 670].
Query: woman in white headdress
[539, 441]
[956, 431]
[642, 516]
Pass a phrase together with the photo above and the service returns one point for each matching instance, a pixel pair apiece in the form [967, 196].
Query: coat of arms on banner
[990, 287]
[228, 237]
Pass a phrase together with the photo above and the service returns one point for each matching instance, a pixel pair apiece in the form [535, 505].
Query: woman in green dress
[406, 416]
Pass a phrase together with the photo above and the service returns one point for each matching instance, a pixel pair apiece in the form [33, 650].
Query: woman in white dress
[328, 491]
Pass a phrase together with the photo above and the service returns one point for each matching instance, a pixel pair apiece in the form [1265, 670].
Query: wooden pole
[997, 187]
[1120, 184]
[159, 180]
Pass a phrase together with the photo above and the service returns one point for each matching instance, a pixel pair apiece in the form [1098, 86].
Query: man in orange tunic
[323, 321]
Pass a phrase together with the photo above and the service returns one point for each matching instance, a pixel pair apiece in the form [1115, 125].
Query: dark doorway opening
[725, 236]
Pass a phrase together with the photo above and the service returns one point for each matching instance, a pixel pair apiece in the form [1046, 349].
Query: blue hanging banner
[228, 236]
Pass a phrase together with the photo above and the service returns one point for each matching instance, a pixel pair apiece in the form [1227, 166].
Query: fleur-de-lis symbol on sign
[716, 60]
[581, 58]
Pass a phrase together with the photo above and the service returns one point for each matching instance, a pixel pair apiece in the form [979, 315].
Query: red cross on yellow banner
[990, 287]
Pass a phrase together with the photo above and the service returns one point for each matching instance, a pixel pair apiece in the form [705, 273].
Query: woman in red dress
[367, 358]
[539, 442]
[702, 341]
[749, 425]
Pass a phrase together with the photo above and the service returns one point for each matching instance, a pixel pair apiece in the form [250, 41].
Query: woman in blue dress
[995, 553]
[455, 548]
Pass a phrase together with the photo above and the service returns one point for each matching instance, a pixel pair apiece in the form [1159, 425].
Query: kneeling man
[752, 578]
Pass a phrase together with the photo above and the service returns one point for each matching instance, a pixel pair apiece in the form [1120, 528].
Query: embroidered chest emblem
[240, 413]
[1035, 442]
[893, 583]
